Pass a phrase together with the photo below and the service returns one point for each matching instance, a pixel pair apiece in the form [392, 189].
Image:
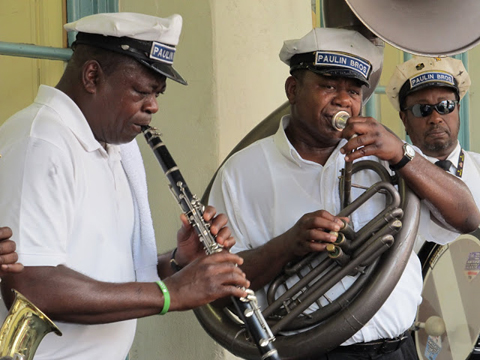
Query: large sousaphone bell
[422, 27]
[350, 314]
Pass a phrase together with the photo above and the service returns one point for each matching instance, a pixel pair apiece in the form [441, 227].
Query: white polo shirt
[470, 176]
[68, 202]
[265, 188]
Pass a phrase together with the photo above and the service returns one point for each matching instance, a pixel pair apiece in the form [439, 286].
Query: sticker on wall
[433, 347]
[472, 267]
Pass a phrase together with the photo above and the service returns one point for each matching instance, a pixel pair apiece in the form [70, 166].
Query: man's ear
[91, 74]
[403, 117]
[291, 87]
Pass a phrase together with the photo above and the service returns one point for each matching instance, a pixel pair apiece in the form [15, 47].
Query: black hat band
[425, 79]
[330, 60]
[144, 50]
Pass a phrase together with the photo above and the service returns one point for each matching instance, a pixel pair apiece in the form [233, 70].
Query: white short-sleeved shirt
[68, 201]
[265, 188]
[470, 176]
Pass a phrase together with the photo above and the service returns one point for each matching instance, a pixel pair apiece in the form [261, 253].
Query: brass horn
[430, 28]
[23, 329]
[329, 326]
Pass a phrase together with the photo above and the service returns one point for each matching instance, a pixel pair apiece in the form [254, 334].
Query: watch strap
[405, 160]
[400, 164]
[173, 263]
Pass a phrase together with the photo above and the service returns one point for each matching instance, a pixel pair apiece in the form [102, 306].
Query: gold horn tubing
[389, 214]
[386, 241]
[274, 305]
[391, 211]
[336, 253]
[387, 237]
[328, 281]
[347, 176]
[359, 166]
[374, 189]
[294, 268]
[23, 329]
[348, 231]
[370, 251]
[339, 121]
[343, 243]
[374, 245]
[347, 173]
[390, 228]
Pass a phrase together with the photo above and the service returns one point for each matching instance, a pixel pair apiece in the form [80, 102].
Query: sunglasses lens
[443, 108]
[421, 110]
[450, 106]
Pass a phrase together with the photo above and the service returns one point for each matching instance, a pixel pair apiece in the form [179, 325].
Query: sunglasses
[443, 108]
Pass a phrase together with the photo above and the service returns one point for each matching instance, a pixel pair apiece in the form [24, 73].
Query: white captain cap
[333, 52]
[149, 39]
[421, 72]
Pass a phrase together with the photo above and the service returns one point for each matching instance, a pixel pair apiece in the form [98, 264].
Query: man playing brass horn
[426, 92]
[281, 193]
[72, 184]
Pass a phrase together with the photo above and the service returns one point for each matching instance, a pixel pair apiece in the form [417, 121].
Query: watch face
[409, 151]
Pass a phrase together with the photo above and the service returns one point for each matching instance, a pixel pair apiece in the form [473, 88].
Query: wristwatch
[173, 263]
[408, 155]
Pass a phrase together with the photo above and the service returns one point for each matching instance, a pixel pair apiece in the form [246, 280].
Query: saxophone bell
[23, 329]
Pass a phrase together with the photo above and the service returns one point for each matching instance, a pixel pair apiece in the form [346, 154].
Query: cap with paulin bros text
[149, 39]
[423, 71]
[333, 52]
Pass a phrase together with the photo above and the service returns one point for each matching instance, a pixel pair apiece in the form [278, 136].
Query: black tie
[444, 164]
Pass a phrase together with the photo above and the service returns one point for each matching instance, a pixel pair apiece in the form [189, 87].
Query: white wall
[248, 36]
[228, 53]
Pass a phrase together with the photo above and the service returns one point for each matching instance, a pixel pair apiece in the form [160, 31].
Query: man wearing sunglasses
[426, 91]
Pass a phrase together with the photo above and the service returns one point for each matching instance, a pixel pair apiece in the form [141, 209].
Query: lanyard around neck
[461, 161]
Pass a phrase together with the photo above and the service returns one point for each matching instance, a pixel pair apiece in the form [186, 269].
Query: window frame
[75, 9]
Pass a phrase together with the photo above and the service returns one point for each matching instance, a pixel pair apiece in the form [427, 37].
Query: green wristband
[166, 297]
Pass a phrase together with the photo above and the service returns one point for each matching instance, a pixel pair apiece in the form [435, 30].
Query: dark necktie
[444, 164]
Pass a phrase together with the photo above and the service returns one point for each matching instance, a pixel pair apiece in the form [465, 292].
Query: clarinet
[247, 307]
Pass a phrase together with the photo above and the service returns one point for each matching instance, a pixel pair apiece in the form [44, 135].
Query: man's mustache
[437, 129]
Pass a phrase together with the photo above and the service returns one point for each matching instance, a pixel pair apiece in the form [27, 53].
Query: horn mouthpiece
[339, 120]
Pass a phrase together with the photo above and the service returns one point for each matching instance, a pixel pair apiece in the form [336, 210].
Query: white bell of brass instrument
[427, 27]
[23, 329]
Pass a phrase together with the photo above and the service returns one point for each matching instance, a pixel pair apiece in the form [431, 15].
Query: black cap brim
[137, 49]
[406, 90]
[339, 72]
[164, 69]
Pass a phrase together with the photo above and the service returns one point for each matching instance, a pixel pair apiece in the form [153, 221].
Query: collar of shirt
[289, 152]
[71, 115]
[453, 156]
[114, 152]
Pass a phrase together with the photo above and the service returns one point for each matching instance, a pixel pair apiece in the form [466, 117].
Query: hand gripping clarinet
[247, 307]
